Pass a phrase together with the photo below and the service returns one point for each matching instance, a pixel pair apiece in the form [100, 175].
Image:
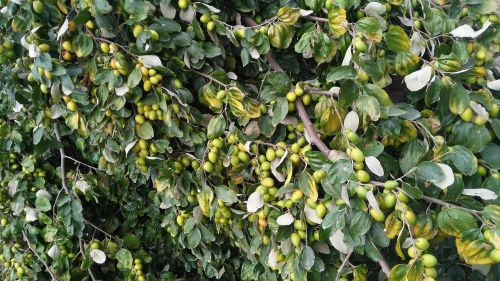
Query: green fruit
[362, 76]
[429, 260]
[352, 136]
[390, 200]
[390, 184]
[479, 120]
[213, 157]
[268, 182]
[299, 225]
[295, 239]
[270, 154]
[38, 6]
[44, 48]
[205, 18]
[72, 106]
[422, 244]
[410, 217]
[361, 192]
[414, 252]
[4, 222]
[360, 45]
[208, 167]
[430, 272]
[321, 210]
[403, 197]
[363, 176]
[319, 175]
[243, 156]
[211, 26]
[291, 96]
[467, 114]
[154, 35]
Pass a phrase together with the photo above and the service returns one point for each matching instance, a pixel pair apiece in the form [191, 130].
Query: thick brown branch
[310, 129]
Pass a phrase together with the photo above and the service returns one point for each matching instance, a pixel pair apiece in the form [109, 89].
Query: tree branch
[273, 64]
[346, 259]
[63, 155]
[318, 19]
[30, 246]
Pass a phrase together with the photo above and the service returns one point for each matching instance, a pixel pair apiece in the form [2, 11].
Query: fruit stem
[204, 75]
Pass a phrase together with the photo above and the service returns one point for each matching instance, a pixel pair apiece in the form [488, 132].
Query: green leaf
[44, 61]
[369, 27]
[360, 224]
[396, 39]
[429, 171]
[398, 273]
[42, 204]
[82, 45]
[412, 153]
[307, 258]
[216, 127]
[134, 78]
[459, 99]
[226, 194]
[455, 221]
[307, 184]
[341, 72]
[288, 15]
[124, 258]
[280, 110]
[130, 241]
[368, 105]
[145, 131]
[491, 154]
[462, 158]
[194, 238]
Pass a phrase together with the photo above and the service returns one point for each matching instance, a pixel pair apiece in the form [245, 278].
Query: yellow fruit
[72, 106]
[66, 45]
[377, 215]
[183, 4]
[90, 24]
[137, 30]
[297, 196]
[494, 255]
[479, 120]
[211, 26]
[104, 47]
[414, 252]
[357, 155]
[44, 48]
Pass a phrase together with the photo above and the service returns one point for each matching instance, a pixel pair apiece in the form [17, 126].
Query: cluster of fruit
[6, 51]
[209, 21]
[429, 261]
[14, 257]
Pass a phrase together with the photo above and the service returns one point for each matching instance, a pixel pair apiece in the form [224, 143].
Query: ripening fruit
[357, 155]
[44, 48]
[430, 272]
[183, 4]
[297, 196]
[180, 220]
[72, 106]
[410, 217]
[177, 83]
[361, 192]
[480, 120]
[494, 255]
[66, 45]
[319, 175]
[414, 252]
[3, 222]
[105, 47]
[360, 45]
[429, 260]
[467, 114]
[90, 24]
[211, 26]
[362, 76]
[38, 7]
[422, 243]
[66, 56]
[481, 55]
[137, 30]
[205, 18]
[321, 210]
[295, 239]
[208, 167]
[291, 96]
[363, 176]
[377, 215]
[154, 35]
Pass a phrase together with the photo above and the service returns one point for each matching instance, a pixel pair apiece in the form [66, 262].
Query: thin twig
[81, 163]
[318, 19]
[83, 254]
[97, 228]
[204, 75]
[25, 237]
[449, 205]
[346, 259]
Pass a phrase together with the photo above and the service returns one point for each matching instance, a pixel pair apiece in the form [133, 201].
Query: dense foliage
[249, 140]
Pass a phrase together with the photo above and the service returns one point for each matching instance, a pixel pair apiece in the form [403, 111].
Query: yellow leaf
[474, 252]
[289, 15]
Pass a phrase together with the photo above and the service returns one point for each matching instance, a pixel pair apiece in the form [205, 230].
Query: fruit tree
[249, 140]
